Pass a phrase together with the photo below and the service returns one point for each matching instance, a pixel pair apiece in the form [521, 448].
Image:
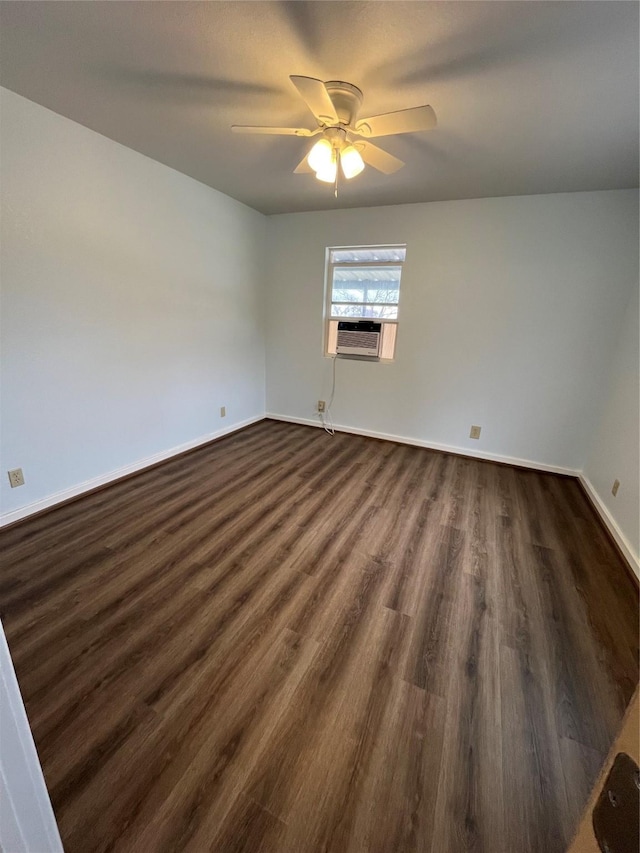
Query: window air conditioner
[359, 337]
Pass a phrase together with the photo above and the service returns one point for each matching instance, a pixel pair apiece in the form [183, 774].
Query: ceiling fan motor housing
[346, 98]
[337, 136]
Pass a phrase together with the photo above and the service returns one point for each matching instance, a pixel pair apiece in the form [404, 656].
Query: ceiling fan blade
[402, 121]
[303, 167]
[379, 159]
[314, 93]
[280, 131]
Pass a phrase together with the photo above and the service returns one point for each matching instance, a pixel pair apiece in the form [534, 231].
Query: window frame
[328, 301]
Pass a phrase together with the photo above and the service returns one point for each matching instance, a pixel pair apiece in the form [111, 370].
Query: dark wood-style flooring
[290, 642]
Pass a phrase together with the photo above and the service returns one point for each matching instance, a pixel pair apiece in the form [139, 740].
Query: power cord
[328, 428]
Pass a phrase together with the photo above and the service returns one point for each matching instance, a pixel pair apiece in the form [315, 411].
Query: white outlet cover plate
[16, 477]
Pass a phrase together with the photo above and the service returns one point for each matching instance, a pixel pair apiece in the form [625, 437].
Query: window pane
[381, 293]
[375, 253]
[348, 294]
[388, 312]
[386, 295]
[366, 284]
[367, 274]
[347, 310]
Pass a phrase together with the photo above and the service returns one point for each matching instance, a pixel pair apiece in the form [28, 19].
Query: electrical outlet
[16, 477]
[223, 411]
[615, 487]
[475, 432]
[321, 405]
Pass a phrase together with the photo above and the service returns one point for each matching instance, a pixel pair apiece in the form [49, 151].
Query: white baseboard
[432, 445]
[611, 525]
[104, 479]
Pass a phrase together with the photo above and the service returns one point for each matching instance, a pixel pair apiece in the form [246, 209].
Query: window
[363, 282]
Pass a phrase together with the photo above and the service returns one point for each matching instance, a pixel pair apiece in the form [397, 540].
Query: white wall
[27, 823]
[614, 451]
[509, 312]
[132, 307]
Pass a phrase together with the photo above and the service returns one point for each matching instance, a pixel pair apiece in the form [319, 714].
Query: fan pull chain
[335, 190]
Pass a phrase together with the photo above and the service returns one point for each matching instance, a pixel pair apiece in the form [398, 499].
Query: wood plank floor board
[561, 644]
[293, 643]
[470, 800]
[397, 801]
[190, 766]
[533, 816]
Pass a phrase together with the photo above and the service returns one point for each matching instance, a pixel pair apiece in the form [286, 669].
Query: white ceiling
[531, 97]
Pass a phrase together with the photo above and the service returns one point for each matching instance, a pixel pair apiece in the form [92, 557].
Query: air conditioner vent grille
[359, 338]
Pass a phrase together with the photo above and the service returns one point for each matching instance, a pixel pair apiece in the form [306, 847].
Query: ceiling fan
[344, 144]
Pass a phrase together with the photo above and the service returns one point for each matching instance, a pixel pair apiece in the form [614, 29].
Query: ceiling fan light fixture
[351, 162]
[321, 155]
[327, 172]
